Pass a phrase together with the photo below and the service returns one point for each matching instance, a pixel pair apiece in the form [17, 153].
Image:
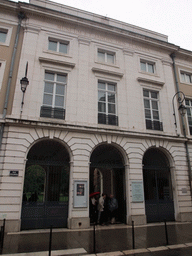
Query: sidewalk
[112, 238]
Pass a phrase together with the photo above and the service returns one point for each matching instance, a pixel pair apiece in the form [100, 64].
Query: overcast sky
[169, 17]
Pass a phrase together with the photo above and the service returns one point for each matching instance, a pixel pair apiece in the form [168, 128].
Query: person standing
[113, 206]
[101, 213]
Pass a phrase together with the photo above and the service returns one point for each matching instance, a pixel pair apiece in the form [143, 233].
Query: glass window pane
[182, 77]
[63, 47]
[154, 95]
[154, 105]
[145, 93]
[102, 107]
[111, 108]
[61, 78]
[59, 101]
[49, 76]
[143, 66]
[188, 112]
[101, 56]
[155, 115]
[188, 78]
[101, 85]
[60, 89]
[187, 102]
[146, 103]
[111, 87]
[110, 58]
[147, 114]
[150, 68]
[111, 97]
[48, 87]
[101, 96]
[47, 99]
[52, 46]
[3, 36]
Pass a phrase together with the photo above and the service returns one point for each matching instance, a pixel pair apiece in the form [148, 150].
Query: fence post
[94, 241]
[166, 233]
[50, 241]
[133, 235]
[2, 233]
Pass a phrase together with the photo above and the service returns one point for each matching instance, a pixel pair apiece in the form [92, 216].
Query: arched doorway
[46, 186]
[159, 203]
[107, 175]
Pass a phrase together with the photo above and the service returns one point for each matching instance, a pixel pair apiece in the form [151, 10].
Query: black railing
[50, 112]
[154, 125]
[2, 233]
[107, 119]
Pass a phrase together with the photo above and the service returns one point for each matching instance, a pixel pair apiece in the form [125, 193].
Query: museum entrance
[107, 175]
[46, 186]
[159, 203]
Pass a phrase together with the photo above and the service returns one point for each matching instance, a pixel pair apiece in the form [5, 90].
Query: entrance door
[107, 175]
[46, 190]
[158, 190]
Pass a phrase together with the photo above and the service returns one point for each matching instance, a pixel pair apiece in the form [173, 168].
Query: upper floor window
[188, 104]
[147, 66]
[58, 46]
[186, 77]
[151, 105]
[105, 56]
[3, 35]
[54, 95]
[107, 106]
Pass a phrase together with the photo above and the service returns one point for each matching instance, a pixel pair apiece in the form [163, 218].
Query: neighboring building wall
[80, 131]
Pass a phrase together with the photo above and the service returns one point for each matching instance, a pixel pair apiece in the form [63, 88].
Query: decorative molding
[85, 41]
[146, 80]
[107, 72]
[57, 62]
[128, 52]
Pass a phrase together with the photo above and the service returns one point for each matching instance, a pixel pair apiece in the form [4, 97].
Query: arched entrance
[157, 186]
[46, 186]
[107, 175]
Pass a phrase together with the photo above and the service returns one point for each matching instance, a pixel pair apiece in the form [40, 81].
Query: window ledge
[151, 81]
[107, 72]
[57, 62]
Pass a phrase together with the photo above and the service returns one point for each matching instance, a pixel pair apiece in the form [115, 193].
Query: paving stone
[175, 246]
[156, 249]
[135, 251]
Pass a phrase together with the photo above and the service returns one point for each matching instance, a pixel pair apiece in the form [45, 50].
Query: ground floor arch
[46, 186]
[107, 175]
[158, 192]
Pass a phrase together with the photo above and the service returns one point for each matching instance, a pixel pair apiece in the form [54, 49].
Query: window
[151, 105]
[147, 66]
[3, 35]
[107, 103]
[186, 77]
[188, 104]
[58, 46]
[54, 96]
[107, 57]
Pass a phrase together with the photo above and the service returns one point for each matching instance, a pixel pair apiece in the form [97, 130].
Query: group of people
[104, 209]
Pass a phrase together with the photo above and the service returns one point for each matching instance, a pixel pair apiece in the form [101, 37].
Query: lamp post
[24, 83]
[182, 109]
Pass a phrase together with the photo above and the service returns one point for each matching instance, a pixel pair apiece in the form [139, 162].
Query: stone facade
[85, 35]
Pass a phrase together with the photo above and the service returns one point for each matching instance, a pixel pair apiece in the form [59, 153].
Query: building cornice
[91, 129]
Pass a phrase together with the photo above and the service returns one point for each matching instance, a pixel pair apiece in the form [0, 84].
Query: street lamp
[24, 83]
[182, 109]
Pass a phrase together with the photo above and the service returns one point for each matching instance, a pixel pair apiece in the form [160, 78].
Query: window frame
[153, 123]
[58, 42]
[189, 108]
[184, 74]
[147, 63]
[108, 117]
[106, 53]
[8, 31]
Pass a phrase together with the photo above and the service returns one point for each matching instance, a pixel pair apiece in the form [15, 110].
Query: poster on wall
[137, 191]
[80, 194]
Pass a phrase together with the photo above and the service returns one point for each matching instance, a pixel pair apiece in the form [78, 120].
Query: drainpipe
[183, 125]
[21, 16]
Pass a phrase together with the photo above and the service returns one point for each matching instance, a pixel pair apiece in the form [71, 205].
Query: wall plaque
[14, 173]
[137, 192]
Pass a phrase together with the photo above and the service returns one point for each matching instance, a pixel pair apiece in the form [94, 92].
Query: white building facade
[97, 117]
